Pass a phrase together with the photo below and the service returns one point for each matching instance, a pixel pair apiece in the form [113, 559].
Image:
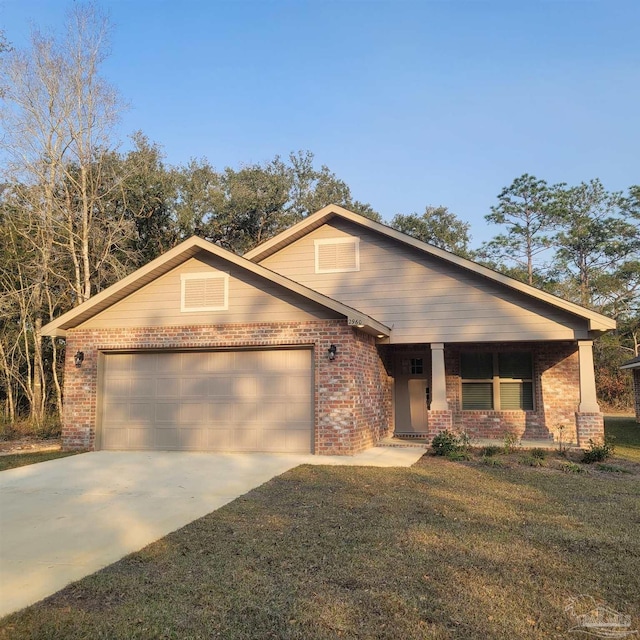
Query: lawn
[13, 460]
[440, 550]
[626, 433]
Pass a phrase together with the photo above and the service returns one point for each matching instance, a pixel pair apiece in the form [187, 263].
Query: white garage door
[208, 401]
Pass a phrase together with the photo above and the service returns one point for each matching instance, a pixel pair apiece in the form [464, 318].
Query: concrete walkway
[64, 519]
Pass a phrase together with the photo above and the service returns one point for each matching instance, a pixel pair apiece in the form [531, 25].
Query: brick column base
[438, 421]
[589, 426]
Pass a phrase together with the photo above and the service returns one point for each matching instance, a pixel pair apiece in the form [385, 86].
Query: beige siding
[422, 298]
[251, 299]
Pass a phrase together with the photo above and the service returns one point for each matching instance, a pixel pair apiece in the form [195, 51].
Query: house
[324, 339]
[634, 367]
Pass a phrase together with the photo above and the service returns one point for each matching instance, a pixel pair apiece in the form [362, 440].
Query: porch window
[498, 381]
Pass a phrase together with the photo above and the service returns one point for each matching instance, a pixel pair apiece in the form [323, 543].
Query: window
[417, 367]
[204, 291]
[337, 255]
[500, 381]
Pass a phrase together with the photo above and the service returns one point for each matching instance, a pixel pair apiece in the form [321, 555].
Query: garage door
[208, 401]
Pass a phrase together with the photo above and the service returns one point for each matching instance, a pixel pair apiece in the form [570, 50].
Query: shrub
[538, 453]
[492, 462]
[598, 452]
[531, 461]
[511, 441]
[446, 442]
[458, 455]
[490, 450]
[612, 468]
[571, 467]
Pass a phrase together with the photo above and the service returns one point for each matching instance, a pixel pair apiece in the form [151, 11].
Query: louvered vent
[205, 291]
[335, 255]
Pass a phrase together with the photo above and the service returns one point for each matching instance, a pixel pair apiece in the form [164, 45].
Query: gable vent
[205, 291]
[336, 255]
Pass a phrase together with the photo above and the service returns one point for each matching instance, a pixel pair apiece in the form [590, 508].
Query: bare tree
[57, 116]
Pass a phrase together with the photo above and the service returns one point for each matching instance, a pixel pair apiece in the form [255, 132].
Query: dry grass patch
[441, 550]
[13, 460]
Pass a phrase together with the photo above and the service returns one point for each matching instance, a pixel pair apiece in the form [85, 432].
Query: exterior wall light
[79, 358]
[332, 350]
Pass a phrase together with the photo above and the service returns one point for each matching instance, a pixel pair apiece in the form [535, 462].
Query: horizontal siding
[422, 298]
[251, 299]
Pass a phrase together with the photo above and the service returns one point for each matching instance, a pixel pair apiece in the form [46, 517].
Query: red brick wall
[557, 395]
[352, 393]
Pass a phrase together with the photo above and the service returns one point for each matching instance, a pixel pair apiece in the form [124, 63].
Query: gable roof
[632, 364]
[175, 257]
[597, 321]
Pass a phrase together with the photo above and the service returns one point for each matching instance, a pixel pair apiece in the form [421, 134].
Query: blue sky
[411, 103]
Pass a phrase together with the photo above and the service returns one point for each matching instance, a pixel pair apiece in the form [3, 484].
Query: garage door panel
[166, 438]
[142, 412]
[246, 414]
[116, 388]
[141, 438]
[298, 386]
[218, 439]
[296, 361]
[243, 439]
[299, 413]
[142, 387]
[191, 438]
[167, 387]
[273, 386]
[193, 413]
[220, 386]
[194, 387]
[120, 363]
[217, 401]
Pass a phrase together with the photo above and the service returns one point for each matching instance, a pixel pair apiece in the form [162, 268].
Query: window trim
[496, 381]
[340, 240]
[207, 275]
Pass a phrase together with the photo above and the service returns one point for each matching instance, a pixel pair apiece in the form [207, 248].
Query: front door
[411, 394]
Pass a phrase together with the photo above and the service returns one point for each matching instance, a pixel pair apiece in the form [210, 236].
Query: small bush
[511, 441]
[492, 462]
[598, 452]
[459, 455]
[446, 442]
[538, 453]
[490, 450]
[612, 468]
[571, 467]
[531, 461]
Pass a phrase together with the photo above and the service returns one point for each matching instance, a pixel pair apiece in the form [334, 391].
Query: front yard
[441, 550]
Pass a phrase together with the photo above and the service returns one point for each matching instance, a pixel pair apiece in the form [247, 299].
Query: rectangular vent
[204, 291]
[337, 255]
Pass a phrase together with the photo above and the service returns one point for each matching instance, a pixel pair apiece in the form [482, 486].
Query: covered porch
[539, 391]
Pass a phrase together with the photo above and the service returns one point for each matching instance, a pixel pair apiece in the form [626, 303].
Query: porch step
[392, 441]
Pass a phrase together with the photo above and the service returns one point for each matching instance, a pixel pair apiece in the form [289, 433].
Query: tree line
[77, 214]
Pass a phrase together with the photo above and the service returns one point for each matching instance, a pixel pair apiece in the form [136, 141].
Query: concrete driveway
[64, 519]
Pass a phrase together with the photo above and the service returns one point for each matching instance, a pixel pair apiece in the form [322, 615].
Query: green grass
[14, 460]
[441, 550]
[626, 432]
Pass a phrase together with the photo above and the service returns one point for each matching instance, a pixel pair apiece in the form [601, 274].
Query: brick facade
[352, 394]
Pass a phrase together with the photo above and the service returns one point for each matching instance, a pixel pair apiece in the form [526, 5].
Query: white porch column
[588, 401]
[438, 378]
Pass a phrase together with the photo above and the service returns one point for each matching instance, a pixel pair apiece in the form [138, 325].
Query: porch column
[438, 378]
[588, 401]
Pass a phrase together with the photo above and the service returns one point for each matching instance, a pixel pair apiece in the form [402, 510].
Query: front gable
[424, 295]
[199, 283]
[208, 290]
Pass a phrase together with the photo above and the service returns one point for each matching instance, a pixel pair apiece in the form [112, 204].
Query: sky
[411, 103]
